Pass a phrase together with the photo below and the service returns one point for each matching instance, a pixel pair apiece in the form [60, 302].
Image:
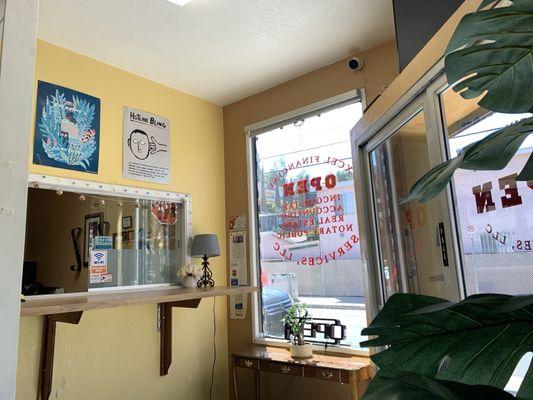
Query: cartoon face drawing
[139, 144]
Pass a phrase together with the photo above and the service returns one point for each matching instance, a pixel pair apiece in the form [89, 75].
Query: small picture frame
[127, 222]
[93, 223]
[127, 239]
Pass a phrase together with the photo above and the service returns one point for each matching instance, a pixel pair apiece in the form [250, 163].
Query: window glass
[308, 236]
[112, 241]
[385, 220]
[412, 243]
[493, 209]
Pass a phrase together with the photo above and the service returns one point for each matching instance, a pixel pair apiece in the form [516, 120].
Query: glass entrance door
[413, 238]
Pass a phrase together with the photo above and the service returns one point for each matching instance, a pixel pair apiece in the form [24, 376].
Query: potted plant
[295, 320]
[432, 348]
[436, 349]
[190, 274]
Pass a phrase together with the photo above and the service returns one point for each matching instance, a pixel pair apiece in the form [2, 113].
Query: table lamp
[205, 246]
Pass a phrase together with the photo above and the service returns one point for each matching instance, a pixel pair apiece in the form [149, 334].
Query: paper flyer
[238, 272]
[238, 305]
[237, 259]
[98, 267]
[146, 146]
[237, 223]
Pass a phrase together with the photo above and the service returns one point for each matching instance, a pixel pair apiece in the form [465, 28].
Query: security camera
[355, 64]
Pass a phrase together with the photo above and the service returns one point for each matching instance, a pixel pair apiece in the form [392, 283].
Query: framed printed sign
[67, 129]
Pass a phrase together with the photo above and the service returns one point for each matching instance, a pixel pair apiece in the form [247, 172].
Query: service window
[307, 233]
[493, 208]
[77, 242]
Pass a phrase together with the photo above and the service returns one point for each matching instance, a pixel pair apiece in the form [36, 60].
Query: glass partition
[78, 242]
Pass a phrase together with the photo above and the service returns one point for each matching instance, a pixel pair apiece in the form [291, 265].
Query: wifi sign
[98, 258]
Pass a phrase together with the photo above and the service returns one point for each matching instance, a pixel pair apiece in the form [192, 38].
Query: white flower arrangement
[194, 271]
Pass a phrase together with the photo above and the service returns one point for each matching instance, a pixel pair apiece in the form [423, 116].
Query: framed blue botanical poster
[67, 129]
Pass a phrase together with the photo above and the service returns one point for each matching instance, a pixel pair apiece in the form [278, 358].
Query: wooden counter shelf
[71, 302]
[69, 308]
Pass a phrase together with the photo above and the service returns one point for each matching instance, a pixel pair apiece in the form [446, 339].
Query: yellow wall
[381, 67]
[114, 353]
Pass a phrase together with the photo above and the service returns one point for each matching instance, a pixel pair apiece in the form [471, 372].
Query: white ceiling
[219, 50]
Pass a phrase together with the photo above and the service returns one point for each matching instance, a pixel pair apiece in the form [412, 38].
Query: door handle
[285, 369]
[327, 374]
[443, 246]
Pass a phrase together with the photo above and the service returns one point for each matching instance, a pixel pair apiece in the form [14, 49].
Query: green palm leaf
[477, 341]
[497, 63]
[486, 3]
[502, 67]
[491, 153]
[434, 181]
[527, 171]
[389, 385]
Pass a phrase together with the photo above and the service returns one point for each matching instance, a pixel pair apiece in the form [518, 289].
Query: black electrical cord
[214, 350]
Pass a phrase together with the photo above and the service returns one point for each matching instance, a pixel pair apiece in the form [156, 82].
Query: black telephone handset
[74, 234]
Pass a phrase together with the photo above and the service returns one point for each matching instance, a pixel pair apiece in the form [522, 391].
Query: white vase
[189, 282]
[304, 351]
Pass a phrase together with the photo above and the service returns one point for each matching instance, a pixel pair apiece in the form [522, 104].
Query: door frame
[414, 108]
[424, 94]
[19, 40]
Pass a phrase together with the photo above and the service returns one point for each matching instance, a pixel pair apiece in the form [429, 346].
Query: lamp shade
[205, 245]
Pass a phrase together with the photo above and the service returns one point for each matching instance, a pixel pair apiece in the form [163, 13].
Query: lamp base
[207, 278]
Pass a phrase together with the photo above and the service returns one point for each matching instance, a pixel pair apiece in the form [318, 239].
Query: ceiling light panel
[178, 2]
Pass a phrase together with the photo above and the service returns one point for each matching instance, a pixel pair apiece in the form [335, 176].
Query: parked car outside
[276, 302]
